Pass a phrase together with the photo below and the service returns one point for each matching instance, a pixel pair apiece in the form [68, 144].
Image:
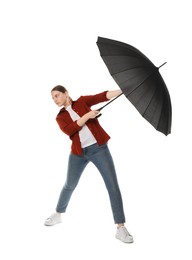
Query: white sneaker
[123, 235]
[55, 218]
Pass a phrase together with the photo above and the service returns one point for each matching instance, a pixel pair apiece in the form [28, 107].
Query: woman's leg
[102, 159]
[76, 165]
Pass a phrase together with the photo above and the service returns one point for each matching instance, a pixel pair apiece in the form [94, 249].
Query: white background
[45, 43]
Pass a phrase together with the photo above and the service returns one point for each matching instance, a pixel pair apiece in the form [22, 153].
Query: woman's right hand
[93, 113]
[90, 115]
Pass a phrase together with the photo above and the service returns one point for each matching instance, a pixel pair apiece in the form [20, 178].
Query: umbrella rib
[149, 103]
[161, 112]
[167, 94]
[142, 81]
[116, 44]
[113, 74]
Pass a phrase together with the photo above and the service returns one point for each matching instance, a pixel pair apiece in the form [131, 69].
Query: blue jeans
[100, 156]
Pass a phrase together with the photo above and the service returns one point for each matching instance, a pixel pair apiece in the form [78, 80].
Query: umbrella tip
[162, 65]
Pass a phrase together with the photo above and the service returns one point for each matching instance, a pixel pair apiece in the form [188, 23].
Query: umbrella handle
[98, 115]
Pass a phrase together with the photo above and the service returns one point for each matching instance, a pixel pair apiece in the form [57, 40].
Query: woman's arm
[76, 126]
[113, 93]
[90, 115]
[94, 113]
[73, 127]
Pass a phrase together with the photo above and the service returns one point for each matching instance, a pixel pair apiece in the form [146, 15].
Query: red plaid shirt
[82, 106]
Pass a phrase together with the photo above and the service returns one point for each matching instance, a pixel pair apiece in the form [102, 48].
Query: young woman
[89, 144]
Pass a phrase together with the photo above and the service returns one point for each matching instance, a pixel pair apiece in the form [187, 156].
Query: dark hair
[59, 88]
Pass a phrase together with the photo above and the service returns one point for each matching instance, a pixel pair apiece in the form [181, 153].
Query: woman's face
[60, 98]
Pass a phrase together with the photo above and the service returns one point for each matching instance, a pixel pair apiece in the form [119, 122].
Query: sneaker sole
[50, 225]
[128, 242]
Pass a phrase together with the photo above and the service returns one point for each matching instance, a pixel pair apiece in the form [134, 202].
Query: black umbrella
[139, 80]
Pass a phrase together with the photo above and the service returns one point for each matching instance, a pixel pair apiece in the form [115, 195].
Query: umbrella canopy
[140, 81]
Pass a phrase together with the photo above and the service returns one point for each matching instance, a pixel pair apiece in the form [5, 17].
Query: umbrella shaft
[109, 102]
